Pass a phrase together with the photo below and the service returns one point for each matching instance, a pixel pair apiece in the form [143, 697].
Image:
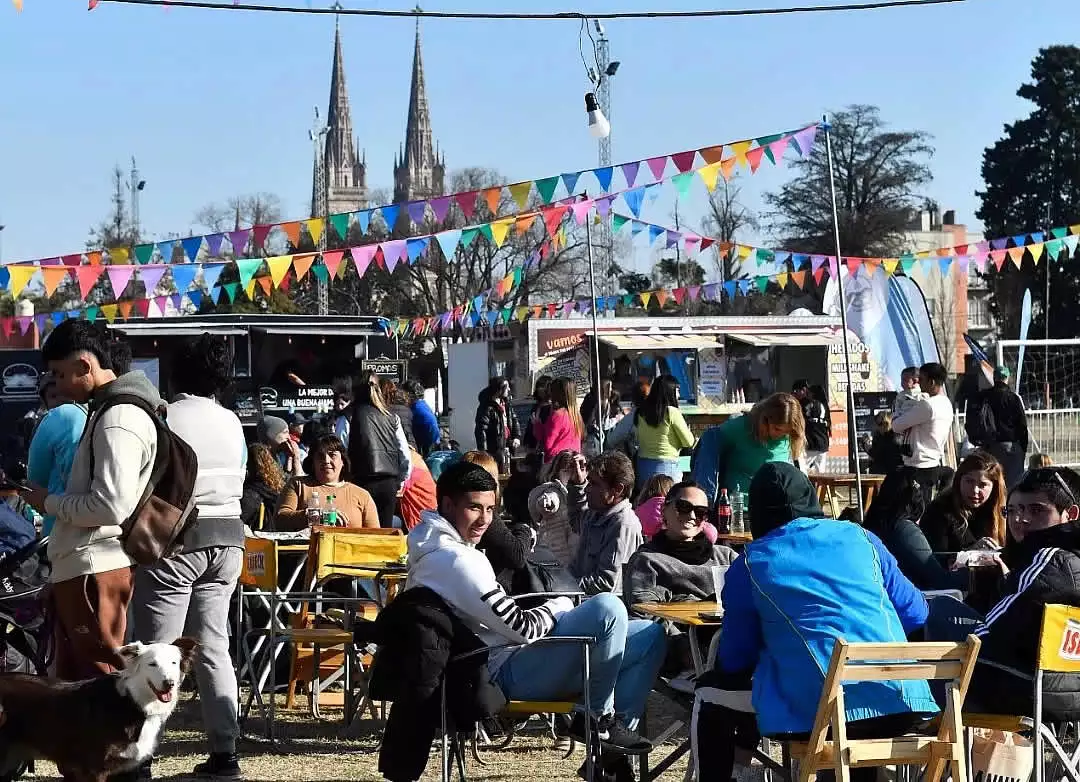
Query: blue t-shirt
[52, 450]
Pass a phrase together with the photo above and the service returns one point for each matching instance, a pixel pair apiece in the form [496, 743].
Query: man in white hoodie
[625, 657]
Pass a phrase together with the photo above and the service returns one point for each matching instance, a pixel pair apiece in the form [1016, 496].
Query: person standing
[661, 432]
[925, 424]
[91, 572]
[378, 450]
[497, 428]
[190, 593]
[425, 424]
[815, 409]
[997, 422]
[53, 446]
[563, 428]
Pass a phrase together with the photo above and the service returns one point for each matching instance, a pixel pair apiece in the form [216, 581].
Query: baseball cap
[1002, 372]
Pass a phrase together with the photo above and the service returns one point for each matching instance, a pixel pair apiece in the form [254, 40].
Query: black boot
[220, 765]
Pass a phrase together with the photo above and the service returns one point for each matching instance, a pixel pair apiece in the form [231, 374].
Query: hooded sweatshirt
[804, 582]
[456, 571]
[108, 477]
[609, 537]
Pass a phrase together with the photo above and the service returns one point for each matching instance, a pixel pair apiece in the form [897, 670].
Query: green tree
[879, 173]
[678, 274]
[1031, 179]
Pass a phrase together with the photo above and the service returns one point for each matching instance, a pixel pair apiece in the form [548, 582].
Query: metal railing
[1055, 433]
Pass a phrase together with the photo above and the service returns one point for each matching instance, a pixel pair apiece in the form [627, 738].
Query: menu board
[246, 402]
[306, 399]
[395, 369]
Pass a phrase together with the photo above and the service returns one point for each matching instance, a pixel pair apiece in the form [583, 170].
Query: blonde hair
[368, 391]
[1039, 460]
[483, 459]
[563, 393]
[657, 486]
[883, 421]
[780, 410]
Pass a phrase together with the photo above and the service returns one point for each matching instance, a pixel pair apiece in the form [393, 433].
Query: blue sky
[218, 103]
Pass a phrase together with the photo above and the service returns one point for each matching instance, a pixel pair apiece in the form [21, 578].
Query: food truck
[723, 364]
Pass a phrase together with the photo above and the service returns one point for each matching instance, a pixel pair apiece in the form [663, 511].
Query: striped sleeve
[1027, 578]
[528, 623]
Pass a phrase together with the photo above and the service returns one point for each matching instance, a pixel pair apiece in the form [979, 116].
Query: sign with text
[307, 399]
[395, 369]
[246, 402]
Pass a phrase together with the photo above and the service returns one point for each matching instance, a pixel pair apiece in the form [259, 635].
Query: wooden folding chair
[829, 746]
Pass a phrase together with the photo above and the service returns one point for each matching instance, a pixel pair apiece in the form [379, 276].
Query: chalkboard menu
[395, 369]
[305, 399]
[867, 405]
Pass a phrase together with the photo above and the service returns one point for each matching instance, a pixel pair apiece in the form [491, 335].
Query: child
[909, 393]
[549, 511]
[884, 448]
[649, 507]
[1039, 460]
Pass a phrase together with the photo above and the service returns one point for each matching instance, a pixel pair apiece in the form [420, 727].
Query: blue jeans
[647, 468]
[623, 662]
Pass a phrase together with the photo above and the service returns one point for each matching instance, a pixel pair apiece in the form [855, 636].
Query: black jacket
[1010, 420]
[404, 414]
[818, 425]
[947, 530]
[507, 547]
[1045, 569]
[418, 635]
[885, 453]
[373, 445]
[492, 421]
[258, 495]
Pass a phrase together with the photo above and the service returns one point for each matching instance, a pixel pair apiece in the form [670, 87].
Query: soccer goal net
[1046, 375]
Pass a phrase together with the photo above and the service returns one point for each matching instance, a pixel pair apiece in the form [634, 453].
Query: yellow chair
[334, 552]
[829, 746]
[1059, 652]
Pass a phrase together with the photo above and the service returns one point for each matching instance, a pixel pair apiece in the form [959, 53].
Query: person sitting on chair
[803, 582]
[624, 658]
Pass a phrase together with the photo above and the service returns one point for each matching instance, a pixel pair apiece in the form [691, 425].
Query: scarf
[696, 551]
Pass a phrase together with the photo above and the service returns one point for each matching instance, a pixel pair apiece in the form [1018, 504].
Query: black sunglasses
[687, 508]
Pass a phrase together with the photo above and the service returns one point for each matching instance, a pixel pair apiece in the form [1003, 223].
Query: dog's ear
[187, 648]
[129, 652]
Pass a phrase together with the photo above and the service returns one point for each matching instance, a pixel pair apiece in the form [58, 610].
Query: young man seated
[677, 564]
[600, 512]
[624, 658]
[1044, 568]
[802, 583]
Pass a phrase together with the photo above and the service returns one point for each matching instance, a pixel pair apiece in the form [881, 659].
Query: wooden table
[827, 485]
[734, 538]
[686, 613]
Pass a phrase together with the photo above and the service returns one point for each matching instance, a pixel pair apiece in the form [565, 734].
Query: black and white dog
[97, 727]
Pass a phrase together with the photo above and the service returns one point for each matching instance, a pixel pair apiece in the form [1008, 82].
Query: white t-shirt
[925, 425]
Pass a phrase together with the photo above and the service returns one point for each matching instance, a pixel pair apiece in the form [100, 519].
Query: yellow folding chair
[1059, 652]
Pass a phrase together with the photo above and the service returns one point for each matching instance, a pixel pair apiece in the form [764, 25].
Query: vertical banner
[865, 377]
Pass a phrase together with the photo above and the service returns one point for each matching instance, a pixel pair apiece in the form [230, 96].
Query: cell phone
[710, 616]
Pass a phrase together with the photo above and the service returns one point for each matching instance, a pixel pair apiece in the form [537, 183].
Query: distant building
[958, 303]
[419, 169]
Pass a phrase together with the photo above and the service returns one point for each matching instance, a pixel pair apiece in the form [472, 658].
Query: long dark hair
[663, 394]
[990, 512]
[329, 443]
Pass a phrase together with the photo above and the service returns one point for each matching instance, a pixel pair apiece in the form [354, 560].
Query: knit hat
[547, 500]
[779, 493]
[273, 430]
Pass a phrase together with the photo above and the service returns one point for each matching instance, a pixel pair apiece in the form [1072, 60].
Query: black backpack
[981, 423]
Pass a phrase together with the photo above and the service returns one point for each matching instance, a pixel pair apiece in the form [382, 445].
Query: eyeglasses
[687, 508]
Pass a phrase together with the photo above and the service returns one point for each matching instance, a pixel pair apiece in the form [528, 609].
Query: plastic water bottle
[738, 523]
[313, 512]
[723, 512]
[330, 515]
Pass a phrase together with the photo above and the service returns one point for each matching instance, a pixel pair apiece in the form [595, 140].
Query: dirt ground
[312, 751]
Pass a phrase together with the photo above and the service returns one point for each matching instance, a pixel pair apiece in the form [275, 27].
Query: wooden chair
[829, 746]
[1059, 652]
[324, 649]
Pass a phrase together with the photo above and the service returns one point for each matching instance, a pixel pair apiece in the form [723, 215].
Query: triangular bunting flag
[119, 255]
[52, 276]
[246, 268]
[440, 207]
[782, 280]
[581, 210]
[265, 283]
[167, 250]
[657, 166]
[630, 172]
[448, 243]
[151, 276]
[467, 236]
[231, 289]
[109, 311]
[279, 267]
[520, 191]
[315, 227]
[125, 308]
[684, 161]
[662, 297]
[492, 196]
[762, 283]
[331, 263]
[259, 234]
[799, 277]
[682, 182]
[523, 223]
[213, 244]
[775, 150]
[553, 217]
[645, 296]
[191, 246]
[712, 155]
[727, 167]
[617, 222]
[570, 182]
[804, 139]
[195, 297]
[1017, 256]
[740, 149]
[340, 224]
[1036, 251]
[363, 219]
[417, 211]
[211, 272]
[119, 276]
[393, 251]
[729, 289]
[414, 248]
[390, 215]
[239, 240]
[680, 295]
[603, 178]
[546, 188]
[292, 233]
[144, 252]
[183, 275]
[753, 157]
[633, 199]
[709, 174]
[655, 232]
[890, 265]
[87, 277]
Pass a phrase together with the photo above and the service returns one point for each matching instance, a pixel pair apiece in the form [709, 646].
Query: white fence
[1053, 432]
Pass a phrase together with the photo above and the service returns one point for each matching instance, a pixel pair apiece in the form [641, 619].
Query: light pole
[317, 134]
[136, 186]
[2, 227]
[606, 70]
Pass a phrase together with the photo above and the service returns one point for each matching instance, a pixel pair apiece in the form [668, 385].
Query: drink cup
[718, 581]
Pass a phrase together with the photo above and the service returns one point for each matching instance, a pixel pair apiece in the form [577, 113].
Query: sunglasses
[687, 508]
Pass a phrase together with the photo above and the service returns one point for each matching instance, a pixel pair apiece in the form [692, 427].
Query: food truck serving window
[660, 341]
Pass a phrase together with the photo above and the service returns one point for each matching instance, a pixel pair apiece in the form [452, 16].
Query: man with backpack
[91, 565]
[997, 422]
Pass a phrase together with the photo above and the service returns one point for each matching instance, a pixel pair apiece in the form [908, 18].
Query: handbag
[543, 572]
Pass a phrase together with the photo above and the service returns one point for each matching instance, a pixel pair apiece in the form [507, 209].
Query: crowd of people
[600, 510]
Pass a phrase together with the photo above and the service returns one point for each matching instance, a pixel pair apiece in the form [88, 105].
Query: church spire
[346, 178]
[419, 172]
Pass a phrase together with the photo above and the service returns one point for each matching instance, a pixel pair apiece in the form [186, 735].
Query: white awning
[797, 339]
[661, 341]
[179, 331]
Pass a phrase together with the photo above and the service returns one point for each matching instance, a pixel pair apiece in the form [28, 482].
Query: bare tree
[240, 212]
[724, 221]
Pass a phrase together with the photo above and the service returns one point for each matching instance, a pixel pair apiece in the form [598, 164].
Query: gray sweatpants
[189, 595]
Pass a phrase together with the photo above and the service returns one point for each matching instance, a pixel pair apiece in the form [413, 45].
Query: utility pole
[318, 139]
[136, 186]
[606, 72]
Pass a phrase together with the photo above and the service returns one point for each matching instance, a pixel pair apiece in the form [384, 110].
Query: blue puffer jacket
[787, 599]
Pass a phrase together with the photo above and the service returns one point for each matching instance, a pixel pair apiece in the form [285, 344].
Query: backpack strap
[157, 416]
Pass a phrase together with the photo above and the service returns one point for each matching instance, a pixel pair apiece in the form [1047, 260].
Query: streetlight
[599, 127]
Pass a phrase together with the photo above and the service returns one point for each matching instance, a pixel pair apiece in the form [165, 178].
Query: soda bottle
[723, 512]
[330, 515]
[313, 512]
[738, 522]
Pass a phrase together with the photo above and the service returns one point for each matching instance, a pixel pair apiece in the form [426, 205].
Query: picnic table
[828, 486]
[692, 614]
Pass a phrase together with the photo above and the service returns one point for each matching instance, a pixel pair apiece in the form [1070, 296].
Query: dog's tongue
[165, 697]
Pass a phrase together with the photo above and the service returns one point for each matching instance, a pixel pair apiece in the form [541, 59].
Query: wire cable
[875, 5]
